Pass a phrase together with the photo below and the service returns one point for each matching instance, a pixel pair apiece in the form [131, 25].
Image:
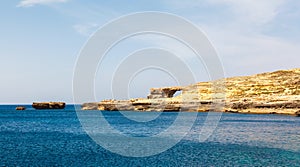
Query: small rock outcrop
[48, 105]
[20, 108]
[89, 106]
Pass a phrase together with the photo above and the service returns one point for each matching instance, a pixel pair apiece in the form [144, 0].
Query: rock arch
[166, 92]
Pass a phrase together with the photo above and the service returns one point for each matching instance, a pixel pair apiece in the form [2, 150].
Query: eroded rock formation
[166, 92]
[267, 93]
[90, 106]
[48, 105]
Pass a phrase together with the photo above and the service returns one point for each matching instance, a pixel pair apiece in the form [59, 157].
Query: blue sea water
[56, 138]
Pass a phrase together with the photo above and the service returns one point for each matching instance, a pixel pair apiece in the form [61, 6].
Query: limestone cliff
[267, 93]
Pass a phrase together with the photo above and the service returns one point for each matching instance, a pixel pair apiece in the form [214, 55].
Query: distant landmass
[267, 93]
[44, 106]
[48, 105]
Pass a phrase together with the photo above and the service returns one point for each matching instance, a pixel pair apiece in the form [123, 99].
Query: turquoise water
[56, 138]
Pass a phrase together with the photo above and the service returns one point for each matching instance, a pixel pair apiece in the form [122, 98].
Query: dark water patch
[164, 120]
[65, 149]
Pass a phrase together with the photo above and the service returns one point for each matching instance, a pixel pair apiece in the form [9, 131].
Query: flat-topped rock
[48, 105]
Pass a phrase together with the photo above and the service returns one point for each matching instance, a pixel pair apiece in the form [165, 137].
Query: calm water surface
[56, 138]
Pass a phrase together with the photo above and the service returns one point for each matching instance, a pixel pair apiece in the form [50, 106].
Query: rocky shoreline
[267, 93]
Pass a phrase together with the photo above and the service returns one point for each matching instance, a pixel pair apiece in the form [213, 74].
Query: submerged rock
[48, 105]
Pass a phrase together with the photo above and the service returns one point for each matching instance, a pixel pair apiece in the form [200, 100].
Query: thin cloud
[244, 53]
[30, 3]
[245, 11]
[85, 29]
[253, 12]
[246, 33]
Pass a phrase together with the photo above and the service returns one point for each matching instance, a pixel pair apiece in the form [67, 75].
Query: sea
[57, 138]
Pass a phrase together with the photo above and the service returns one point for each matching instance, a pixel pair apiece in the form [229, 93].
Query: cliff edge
[267, 93]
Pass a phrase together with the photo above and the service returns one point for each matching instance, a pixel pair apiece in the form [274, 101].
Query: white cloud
[241, 11]
[85, 29]
[30, 3]
[240, 53]
[244, 53]
[250, 11]
[238, 30]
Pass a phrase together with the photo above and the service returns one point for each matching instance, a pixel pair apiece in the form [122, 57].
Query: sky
[42, 39]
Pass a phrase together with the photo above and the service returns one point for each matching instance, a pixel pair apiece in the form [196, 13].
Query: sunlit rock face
[267, 93]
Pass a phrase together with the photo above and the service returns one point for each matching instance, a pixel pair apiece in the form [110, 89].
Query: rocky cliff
[267, 93]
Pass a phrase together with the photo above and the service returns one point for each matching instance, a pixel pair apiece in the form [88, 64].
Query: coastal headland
[266, 93]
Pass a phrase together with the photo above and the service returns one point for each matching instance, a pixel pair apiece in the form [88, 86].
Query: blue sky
[41, 39]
